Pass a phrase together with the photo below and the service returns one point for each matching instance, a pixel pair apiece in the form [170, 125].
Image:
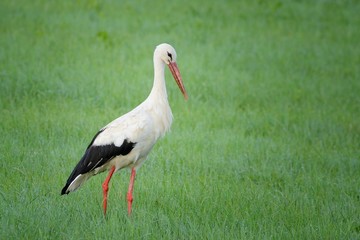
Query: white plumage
[126, 141]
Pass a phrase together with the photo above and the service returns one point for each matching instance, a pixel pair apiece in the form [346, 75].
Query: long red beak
[176, 74]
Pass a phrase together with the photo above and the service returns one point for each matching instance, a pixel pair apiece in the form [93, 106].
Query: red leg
[105, 187]
[130, 191]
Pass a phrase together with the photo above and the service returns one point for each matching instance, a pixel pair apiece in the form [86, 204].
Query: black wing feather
[96, 156]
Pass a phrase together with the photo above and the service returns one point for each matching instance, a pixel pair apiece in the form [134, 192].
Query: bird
[126, 141]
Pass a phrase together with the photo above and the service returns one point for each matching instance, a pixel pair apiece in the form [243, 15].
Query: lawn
[266, 147]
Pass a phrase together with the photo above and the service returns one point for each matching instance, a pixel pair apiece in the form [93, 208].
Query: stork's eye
[170, 56]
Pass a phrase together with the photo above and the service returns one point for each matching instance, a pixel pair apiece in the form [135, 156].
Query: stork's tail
[72, 185]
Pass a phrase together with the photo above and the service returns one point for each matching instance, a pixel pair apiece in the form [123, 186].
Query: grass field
[267, 147]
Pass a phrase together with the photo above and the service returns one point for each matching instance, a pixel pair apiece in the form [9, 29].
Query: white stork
[126, 141]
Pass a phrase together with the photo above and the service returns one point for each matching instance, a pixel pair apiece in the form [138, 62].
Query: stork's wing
[117, 138]
[97, 155]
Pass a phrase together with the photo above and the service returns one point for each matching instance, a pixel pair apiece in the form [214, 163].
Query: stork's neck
[157, 100]
[158, 90]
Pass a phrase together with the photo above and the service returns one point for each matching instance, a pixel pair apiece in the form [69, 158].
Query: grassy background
[267, 147]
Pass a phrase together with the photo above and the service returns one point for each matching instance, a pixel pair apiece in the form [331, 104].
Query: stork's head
[168, 55]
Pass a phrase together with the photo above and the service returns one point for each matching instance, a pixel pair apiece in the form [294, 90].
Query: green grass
[267, 147]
